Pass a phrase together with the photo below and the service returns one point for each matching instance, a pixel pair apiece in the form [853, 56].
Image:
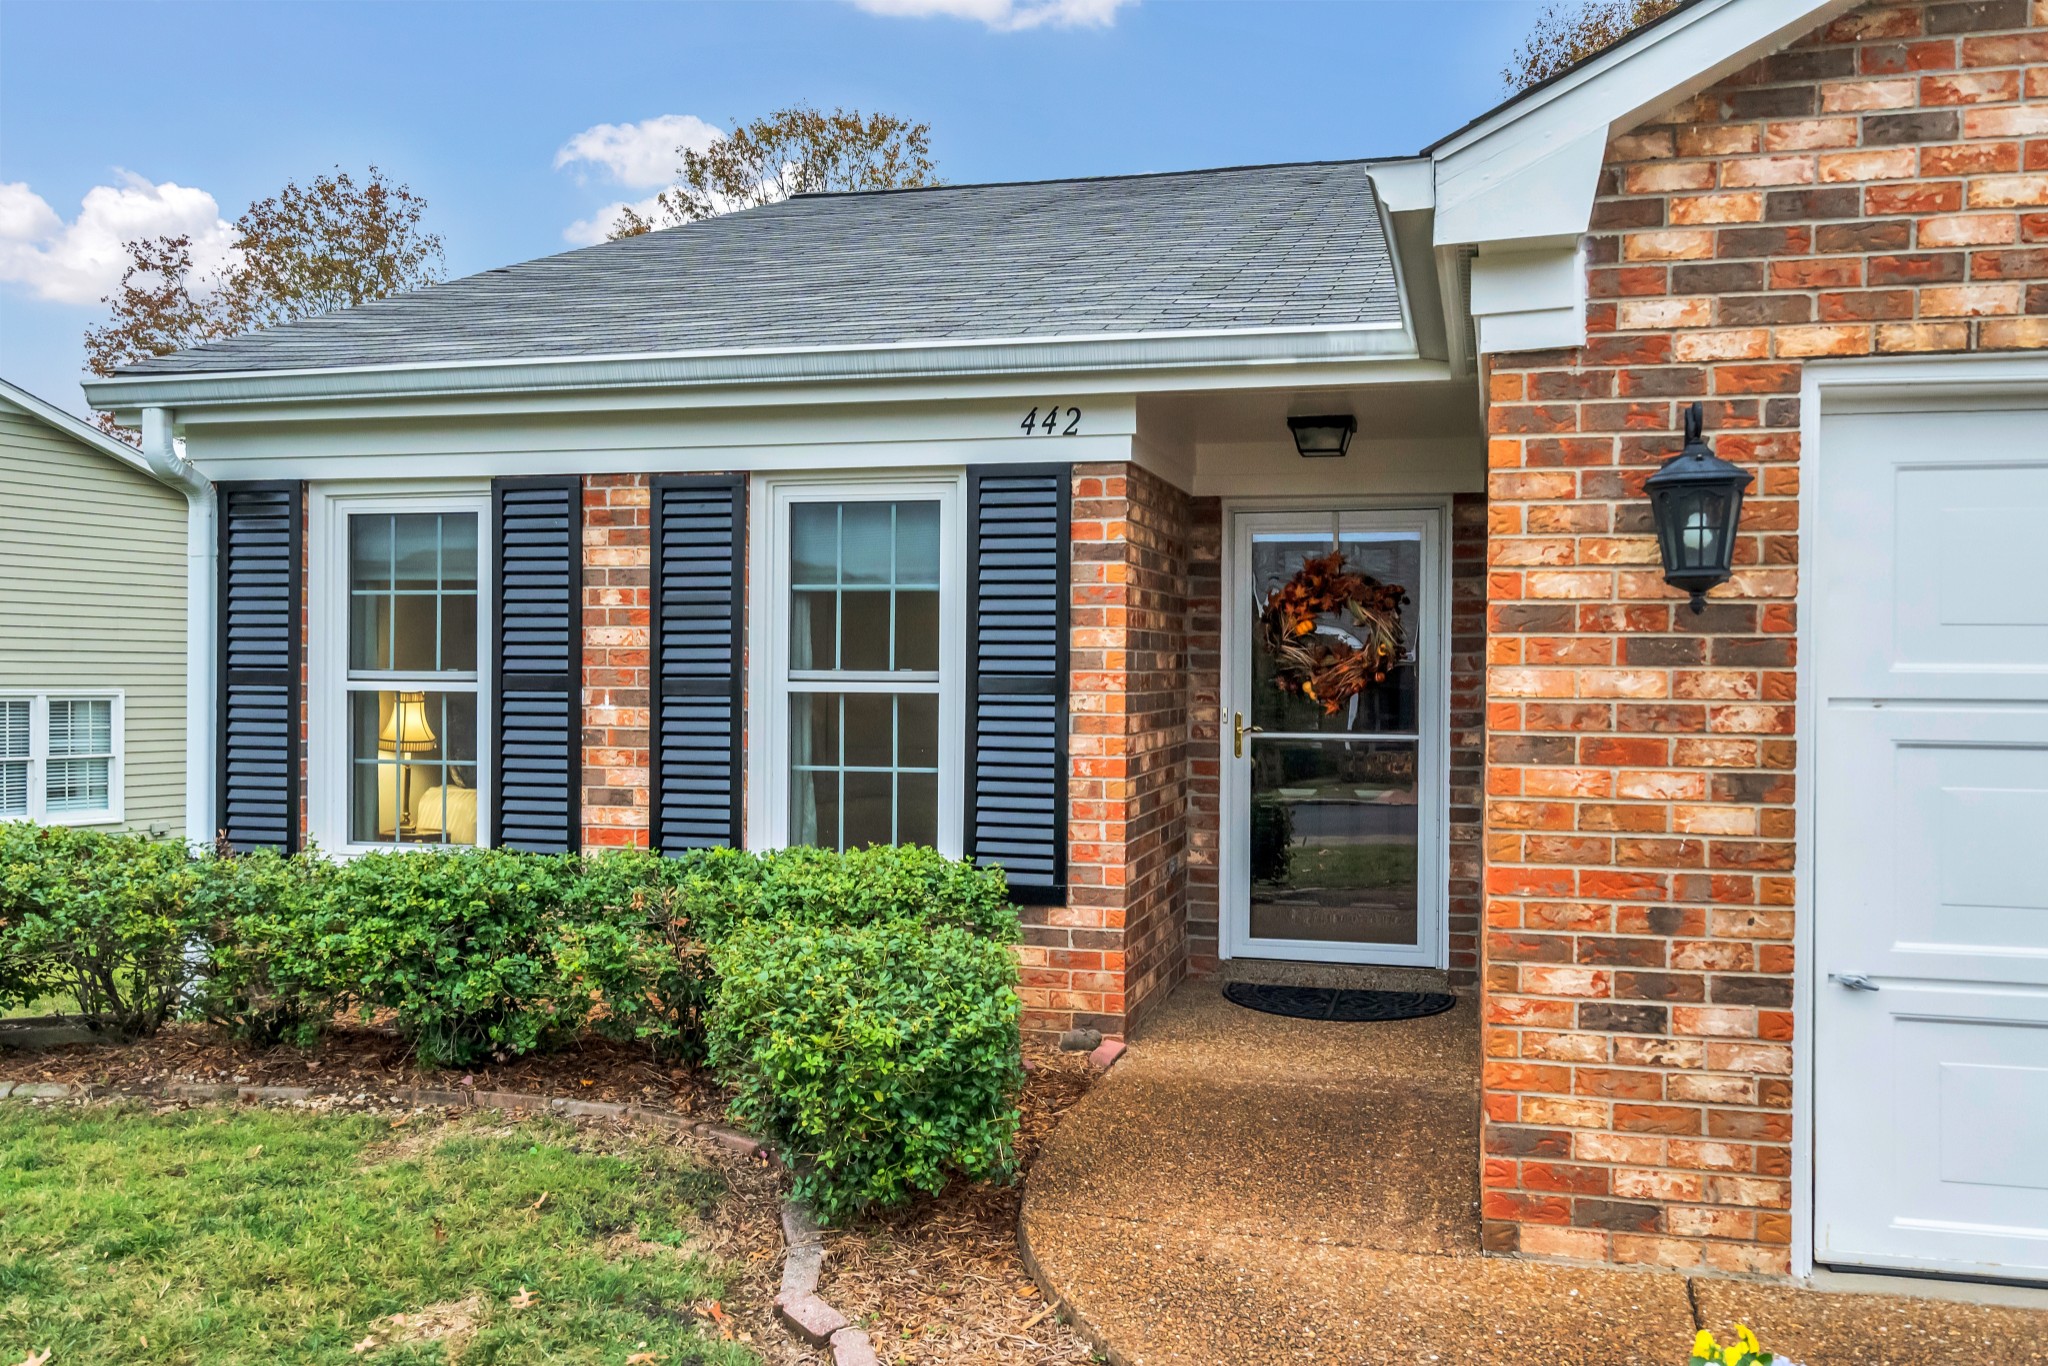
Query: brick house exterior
[1879, 187]
[1620, 784]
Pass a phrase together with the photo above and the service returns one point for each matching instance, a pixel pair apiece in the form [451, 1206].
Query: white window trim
[327, 759]
[768, 772]
[39, 755]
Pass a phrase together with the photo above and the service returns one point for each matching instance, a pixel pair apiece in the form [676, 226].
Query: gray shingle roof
[1251, 247]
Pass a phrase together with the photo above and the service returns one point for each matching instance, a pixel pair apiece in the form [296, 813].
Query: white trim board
[1835, 386]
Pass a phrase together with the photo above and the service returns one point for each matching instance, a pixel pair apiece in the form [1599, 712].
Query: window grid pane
[412, 592]
[74, 785]
[81, 726]
[864, 587]
[13, 788]
[14, 713]
[413, 759]
[852, 779]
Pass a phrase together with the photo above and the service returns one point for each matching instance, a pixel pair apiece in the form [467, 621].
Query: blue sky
[130, 119]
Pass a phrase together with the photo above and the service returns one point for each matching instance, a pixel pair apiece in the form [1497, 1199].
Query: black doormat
[1333, 1003]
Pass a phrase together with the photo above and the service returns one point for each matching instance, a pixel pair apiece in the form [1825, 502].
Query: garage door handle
[1855, 981]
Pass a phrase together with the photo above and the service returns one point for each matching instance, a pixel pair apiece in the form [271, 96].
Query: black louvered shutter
[257, 798]
[538, 624]
[698, 611]
[1017, 676]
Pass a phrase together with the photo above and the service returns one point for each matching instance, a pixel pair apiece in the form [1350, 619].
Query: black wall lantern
[1322, 438]
[1696, 502]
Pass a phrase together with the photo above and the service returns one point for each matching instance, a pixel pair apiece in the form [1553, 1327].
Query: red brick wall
[1468, 733]
[1879, 187]
[1120, 943]
[1205, 729]
[617, 559]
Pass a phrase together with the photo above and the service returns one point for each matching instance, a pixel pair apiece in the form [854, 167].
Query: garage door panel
[1934, 544]
[1929, 820]
[1941, 1162]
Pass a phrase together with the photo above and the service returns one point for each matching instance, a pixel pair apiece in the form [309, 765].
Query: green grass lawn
[219, 1236]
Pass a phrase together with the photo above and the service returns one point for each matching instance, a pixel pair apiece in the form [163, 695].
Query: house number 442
[1053, 421]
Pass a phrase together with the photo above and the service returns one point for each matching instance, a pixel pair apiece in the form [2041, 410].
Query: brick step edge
[798, 1306]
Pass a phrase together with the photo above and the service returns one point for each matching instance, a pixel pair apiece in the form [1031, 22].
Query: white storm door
[1334, 822]
[1929, 626]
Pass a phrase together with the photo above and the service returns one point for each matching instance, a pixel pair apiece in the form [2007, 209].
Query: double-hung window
[863, 702]
[60, 757]
[410, 689]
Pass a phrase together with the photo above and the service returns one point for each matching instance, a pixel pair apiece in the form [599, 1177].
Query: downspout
[201, 584]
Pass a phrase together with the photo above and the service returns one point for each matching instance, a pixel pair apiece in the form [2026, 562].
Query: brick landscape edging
[797, 1305]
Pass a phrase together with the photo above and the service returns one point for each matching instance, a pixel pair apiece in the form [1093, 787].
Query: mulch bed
[939, 1283]
[356, 1057]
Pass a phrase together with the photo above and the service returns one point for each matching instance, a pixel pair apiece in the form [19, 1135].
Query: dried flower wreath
[1319, 664]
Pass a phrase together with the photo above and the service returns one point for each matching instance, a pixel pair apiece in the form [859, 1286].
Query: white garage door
[1929, 626]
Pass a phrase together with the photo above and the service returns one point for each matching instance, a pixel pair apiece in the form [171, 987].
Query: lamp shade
[1696, 505]
[406, 730]
[1322, 437]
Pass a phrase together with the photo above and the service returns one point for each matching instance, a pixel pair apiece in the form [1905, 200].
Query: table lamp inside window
[405, 732]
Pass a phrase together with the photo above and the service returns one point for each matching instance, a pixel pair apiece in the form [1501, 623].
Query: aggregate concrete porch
[1244, 1188]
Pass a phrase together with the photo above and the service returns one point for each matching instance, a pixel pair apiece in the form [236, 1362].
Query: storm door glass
[412, 677]
[863, 678]
[1333, 747]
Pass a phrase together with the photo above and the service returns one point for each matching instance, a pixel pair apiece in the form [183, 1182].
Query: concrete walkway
[1245, 1189]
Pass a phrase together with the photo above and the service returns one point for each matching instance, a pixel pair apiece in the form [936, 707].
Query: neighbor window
[60, 757]
[412, 677]
[860, 678]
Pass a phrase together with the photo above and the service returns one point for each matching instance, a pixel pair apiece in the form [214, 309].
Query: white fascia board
[958, 365]
[570, 399]
[1527, 174]
[1531, 300]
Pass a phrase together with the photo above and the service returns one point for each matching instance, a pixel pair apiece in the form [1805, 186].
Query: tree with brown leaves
[330, 244]
[799, 150]
[1568, 33]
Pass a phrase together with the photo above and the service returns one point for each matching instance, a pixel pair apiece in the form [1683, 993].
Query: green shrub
[97, 916]
[883, 1056]
[264, 972]
[727, 888]
[626, 940]
[462, 945]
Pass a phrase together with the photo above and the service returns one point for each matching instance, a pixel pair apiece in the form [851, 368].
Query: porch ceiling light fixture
[1322, 438]
[1696, 503]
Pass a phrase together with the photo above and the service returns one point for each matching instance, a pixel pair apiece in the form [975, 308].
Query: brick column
[1119, 945]
[617, 557]
[1205, 730]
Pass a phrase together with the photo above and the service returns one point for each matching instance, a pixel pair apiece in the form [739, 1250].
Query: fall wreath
[1331, 666]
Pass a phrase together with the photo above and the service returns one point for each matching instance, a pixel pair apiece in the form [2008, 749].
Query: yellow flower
[1704, 1346]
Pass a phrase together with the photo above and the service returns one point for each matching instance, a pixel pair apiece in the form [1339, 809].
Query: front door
[1930, 879]
[1334, 798]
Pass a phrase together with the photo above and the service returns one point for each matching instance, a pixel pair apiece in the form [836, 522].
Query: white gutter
[201, 583]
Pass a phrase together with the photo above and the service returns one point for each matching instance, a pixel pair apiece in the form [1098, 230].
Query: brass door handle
[1242, 730]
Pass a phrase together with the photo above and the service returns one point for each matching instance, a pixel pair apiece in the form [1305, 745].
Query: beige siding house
[92, 627]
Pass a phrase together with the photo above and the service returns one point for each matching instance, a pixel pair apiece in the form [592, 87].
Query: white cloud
[1006, 16]
[588, 232]
[81, 261]
[639, 155]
